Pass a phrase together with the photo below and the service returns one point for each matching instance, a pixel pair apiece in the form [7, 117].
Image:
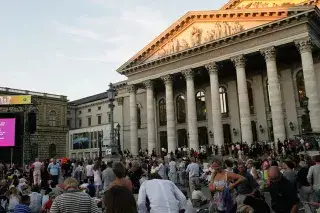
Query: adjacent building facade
[49, 139]
[87, 118]
[241, 73]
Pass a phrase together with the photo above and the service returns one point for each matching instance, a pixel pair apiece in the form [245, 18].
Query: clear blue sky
[72, 47]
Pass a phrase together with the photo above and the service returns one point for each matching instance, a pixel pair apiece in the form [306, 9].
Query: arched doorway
[52, 151]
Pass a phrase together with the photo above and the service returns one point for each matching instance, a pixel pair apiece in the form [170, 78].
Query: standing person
[221, 186]
[314, 179]
[114, 200]
[54, 171]
[35, 200]
[37, 166]
[73, 200]
[120, 173]
[97, 178]
[173, 170]
[283, 193]
[89, 170]
[108, 176]
[163, 196]
[304, 187]
[194, 172]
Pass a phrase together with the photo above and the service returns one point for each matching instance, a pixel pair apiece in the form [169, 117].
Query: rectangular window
[69, 123]
[109, 117]
[99, 119]
[99, 107]
[79, 122]
[79, 112]
[89, 110]
[68, 112]
[89, 121]
[139, 143]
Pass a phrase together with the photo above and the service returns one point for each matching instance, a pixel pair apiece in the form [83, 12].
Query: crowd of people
[242, 179]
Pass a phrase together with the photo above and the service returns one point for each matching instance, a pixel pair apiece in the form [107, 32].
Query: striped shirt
[74, 201]
[21, 208]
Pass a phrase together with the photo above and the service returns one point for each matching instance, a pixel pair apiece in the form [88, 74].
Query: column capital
[167, 79]
[188, 74]
[131, 88]
[239, 61]
[212, 68]
[148, 84]
[304, 45]
[269, 53]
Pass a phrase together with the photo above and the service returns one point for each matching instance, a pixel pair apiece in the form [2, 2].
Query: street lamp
[111, 94]
[118, 136]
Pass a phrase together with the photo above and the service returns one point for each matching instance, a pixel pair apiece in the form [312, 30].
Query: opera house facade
[246, 72]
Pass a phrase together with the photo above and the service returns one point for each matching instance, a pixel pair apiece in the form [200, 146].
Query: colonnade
[304, 47]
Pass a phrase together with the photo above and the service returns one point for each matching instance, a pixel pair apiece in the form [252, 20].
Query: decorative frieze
[212, 68]
[269, 53]
[167, 79]
[239, 61]
[304, 45]
[131, 88]
[188, 74]
[120, 101]
[148, 84]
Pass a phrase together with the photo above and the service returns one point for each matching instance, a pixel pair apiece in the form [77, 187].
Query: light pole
[100, 148]
[111, 93]
[118, 136]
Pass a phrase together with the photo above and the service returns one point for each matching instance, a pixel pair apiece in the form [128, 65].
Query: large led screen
[7, 132]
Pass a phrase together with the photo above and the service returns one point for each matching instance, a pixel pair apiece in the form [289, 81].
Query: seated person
[198, 198]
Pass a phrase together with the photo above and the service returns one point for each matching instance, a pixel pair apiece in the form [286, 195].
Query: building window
[99, 119]
[301, 87]
[139, 115]
[89, 110]
[89, 121]
[181, 109]
[250, 96]
[162, 112]
[223, 101]
[79, 122]
[52, 151]
[68, 112]
[99, 107]
[201, 106]
[80, 112]
[69, 123]
[34, 151]
[109, 117]
[52, 118]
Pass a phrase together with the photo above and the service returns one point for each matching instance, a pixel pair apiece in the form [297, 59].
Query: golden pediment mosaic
[200, 33]
[247, 4]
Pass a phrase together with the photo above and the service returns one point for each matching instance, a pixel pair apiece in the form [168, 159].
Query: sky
[73, 47]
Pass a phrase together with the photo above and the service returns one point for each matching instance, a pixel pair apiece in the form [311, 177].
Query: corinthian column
[216, 105]
[150, 116]
[133, 120]
[310, 82]
[246, 130]
[192, 111]
[274, 94]
[171, 125]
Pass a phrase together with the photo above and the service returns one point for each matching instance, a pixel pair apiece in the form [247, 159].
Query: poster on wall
[7, 132]
[81, 140]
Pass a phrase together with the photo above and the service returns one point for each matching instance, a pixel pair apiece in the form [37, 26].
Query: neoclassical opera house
[240, 73]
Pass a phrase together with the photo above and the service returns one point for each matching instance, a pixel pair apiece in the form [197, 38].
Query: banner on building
[15, 99]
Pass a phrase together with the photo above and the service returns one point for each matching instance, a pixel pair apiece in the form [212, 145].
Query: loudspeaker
[32, 122]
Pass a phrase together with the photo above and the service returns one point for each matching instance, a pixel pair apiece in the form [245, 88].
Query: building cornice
[253, 32]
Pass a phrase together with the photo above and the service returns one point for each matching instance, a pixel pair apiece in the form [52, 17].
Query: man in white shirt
[173, 171]
[89, 170]
[194, 172]
[163, 196]
[37, 166]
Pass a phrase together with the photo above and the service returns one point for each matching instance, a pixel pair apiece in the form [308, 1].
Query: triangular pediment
[255, 4]
[202, 32]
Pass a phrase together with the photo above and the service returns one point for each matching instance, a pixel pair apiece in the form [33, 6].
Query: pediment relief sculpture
[198, 35]
[267, 3]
